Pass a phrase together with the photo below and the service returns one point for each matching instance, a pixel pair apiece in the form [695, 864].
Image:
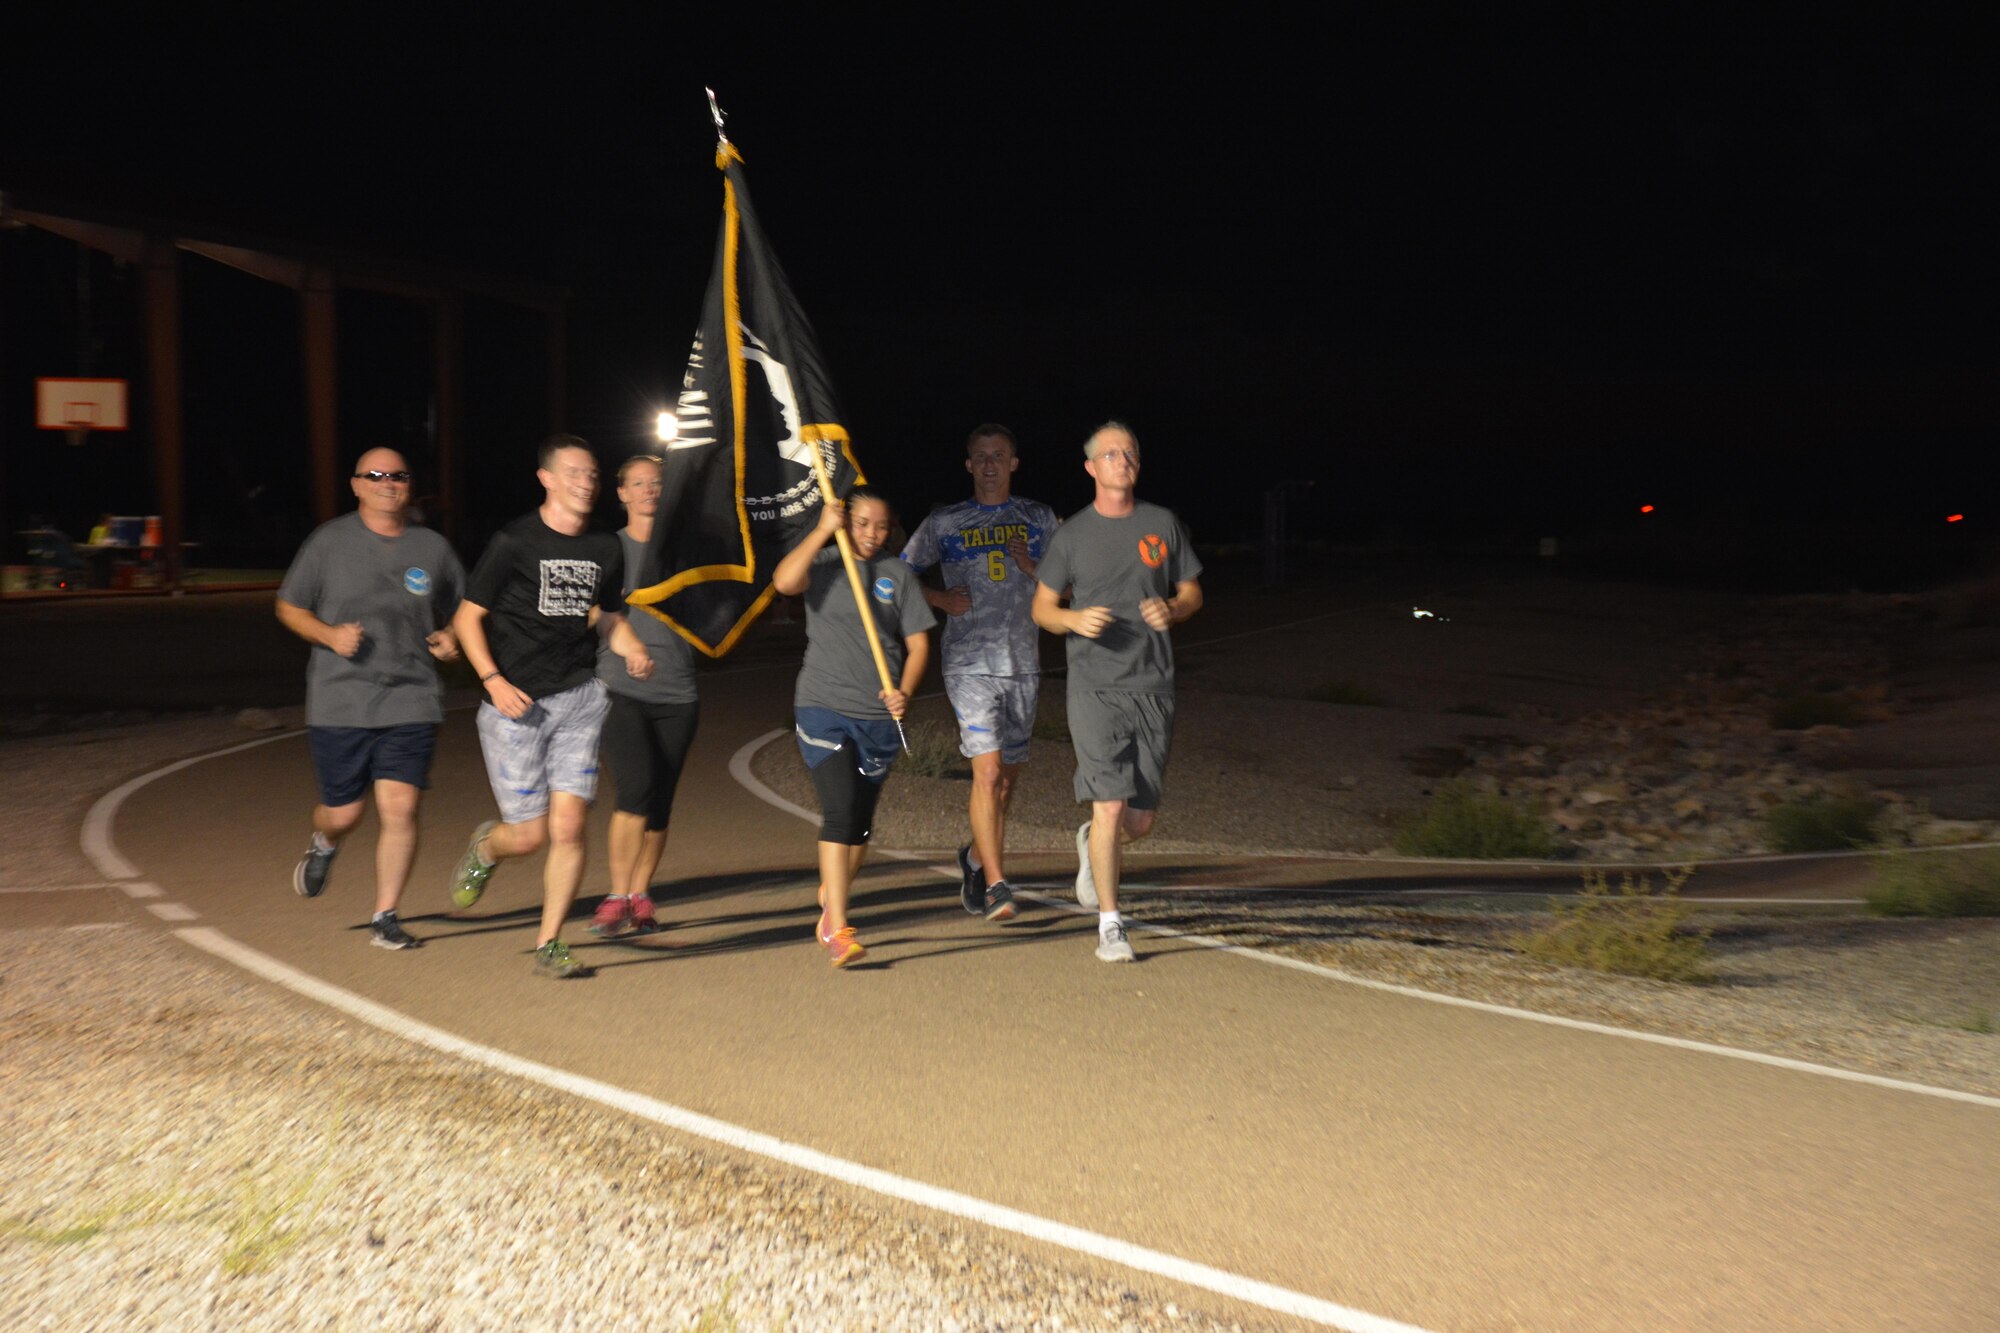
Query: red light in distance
[1955, 518]
[1645, 509]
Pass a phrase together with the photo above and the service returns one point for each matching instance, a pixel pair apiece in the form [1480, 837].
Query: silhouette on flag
[737, 488]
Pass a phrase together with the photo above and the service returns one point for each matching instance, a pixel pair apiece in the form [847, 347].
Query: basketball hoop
[77, 407]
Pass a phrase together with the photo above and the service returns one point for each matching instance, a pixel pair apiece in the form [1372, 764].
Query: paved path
[1445, 1167]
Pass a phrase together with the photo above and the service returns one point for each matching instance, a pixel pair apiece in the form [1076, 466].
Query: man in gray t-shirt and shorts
[373, 594]
[986, 549]
[1130, 575]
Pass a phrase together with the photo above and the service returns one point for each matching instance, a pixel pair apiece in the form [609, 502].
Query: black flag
[737, 488]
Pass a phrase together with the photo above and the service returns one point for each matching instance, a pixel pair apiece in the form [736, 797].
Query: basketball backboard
[80, 404]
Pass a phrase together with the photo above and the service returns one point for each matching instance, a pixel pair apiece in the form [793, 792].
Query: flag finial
[718, 114]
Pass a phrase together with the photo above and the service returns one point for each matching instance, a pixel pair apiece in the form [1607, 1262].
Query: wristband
[488, 676]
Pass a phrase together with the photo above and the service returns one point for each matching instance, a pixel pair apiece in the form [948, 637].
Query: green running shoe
[469, 880]
[555, 960]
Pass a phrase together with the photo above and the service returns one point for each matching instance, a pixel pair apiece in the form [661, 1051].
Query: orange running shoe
[842, 947]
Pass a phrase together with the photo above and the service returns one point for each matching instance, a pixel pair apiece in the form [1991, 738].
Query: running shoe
[385, 932]
[1086, 883]
[309, 875]
[1112, 946]
[971, 883]
[842, 947]
[555, 960]
[469, 880]
[613, 918]
[642, 913]
[1000, 901]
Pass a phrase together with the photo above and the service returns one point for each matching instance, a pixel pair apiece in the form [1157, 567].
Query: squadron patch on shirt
[569, 587]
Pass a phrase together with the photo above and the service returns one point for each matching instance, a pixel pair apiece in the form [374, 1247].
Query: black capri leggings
[645, 747]
[846, 800]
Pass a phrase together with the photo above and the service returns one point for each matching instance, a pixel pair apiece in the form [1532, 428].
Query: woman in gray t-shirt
[845, 720]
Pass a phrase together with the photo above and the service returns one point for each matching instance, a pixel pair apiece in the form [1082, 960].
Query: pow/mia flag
[737, 488]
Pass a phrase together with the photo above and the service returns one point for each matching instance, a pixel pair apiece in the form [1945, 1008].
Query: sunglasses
[372, 475]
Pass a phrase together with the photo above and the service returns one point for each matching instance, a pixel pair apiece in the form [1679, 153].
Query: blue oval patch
[417, 581]
[885, 589]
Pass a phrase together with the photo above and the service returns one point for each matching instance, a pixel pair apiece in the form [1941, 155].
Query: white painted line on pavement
[142, 888]
[739, 768]
[1383, 889]
[1233, 1285]
[97, 844]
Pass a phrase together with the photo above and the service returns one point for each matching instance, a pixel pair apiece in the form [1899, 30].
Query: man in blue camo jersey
[986, 550]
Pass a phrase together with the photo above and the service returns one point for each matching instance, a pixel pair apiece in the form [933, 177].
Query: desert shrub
[1462, 821]
[1822, 824]
[1938, 884]
[1813, 710]
[1345, 692]
[933, 750]
[1632, 931]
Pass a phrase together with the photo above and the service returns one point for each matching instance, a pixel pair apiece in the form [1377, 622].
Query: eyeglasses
[372, 475]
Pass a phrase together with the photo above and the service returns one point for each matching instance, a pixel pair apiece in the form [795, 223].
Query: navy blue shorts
[348, 760]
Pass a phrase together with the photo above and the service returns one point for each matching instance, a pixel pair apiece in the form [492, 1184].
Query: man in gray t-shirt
[374, 595]
[986, 550]
[1130, 575]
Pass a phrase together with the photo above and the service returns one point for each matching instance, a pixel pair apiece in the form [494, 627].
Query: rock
[1607, 793]
[1690, 807]
[258, 719]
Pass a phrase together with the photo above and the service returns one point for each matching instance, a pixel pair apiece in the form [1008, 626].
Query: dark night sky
[1441, 274]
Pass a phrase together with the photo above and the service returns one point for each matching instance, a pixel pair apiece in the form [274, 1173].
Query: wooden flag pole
[854, 582]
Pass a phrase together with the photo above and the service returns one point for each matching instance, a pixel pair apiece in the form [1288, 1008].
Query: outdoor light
[1955, 518]
[1645, 509]
[667, 427]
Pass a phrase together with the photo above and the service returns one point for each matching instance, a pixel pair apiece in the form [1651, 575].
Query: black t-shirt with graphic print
[538, 586]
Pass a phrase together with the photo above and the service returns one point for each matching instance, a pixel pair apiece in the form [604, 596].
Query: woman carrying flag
[845, 721]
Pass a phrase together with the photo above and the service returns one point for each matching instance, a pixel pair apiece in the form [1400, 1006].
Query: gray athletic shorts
[551, 747]
[994, 713]
[1121, 741]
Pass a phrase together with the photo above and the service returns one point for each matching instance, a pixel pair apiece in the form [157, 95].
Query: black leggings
[645, 747]
[846, 799]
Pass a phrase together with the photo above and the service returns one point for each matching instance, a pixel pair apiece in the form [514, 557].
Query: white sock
[321, 842]
[1108, 919]
[614, 897]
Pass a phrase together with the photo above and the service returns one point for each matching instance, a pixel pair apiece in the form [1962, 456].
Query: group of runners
[568, 675]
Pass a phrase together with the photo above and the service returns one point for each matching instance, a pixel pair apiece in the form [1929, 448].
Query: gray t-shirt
[672, 681]
[400, 589]
[997, 637]
[839, 671]
[1117, 563]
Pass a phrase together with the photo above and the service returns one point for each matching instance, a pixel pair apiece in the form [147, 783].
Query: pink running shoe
[613, 918]
[842, 947]
[642, 913]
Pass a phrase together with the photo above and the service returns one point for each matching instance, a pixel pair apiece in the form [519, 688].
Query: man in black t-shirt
[544, 593]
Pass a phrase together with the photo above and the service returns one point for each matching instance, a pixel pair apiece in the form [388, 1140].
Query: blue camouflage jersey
[997, 637]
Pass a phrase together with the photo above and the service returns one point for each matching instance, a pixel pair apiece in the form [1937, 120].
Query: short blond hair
[1090, 445]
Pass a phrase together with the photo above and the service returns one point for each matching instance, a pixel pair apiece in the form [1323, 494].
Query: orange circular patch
[1152, 550]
